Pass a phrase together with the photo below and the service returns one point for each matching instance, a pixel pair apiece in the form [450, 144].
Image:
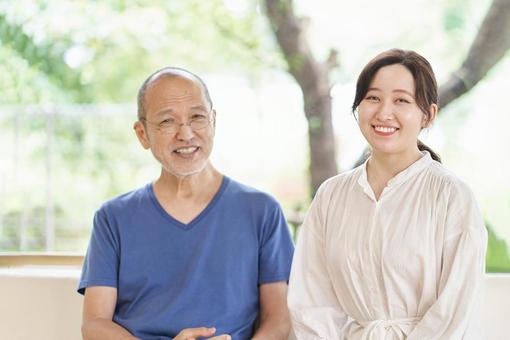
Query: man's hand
[193, 333]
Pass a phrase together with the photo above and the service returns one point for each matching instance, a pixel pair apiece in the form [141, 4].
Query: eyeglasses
[170, 125]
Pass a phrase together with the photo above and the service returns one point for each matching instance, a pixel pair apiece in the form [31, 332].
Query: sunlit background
[70, 71]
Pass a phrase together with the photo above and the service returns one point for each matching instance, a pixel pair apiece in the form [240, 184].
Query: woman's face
[388, 115]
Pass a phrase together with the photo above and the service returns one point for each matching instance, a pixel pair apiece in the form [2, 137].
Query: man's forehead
[171, 111]
[176, 88]
[176, 83]
[165, 92]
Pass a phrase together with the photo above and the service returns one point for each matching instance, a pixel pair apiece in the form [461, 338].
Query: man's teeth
[187, 150]
[385, 129]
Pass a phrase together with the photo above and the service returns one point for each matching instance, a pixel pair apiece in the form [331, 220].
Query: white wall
[496, 307]
[42, 304]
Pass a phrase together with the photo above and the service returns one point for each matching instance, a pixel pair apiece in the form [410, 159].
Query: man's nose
[185, 132]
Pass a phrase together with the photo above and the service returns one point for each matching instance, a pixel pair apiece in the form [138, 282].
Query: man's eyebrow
[199, 107]
[164, 112]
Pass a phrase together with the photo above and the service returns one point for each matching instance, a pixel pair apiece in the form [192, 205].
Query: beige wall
[42, 303]
[39, 304]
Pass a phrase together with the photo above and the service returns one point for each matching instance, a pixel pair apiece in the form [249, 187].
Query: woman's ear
[427, 120]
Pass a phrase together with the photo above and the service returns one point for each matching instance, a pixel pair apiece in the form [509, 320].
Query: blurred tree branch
[489, 47]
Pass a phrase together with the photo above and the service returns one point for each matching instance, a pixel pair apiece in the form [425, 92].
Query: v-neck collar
[399, 178]
[196, 220]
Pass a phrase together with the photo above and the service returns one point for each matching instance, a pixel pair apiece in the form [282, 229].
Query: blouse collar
[399, 178]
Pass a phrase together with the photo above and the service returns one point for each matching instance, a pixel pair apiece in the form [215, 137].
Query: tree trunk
[313, 79]
[490, 45]
[321, 138]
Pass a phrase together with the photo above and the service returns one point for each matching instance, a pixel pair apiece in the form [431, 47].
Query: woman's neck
[382, 167]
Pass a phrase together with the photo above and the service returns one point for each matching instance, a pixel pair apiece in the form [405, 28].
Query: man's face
[182, 150]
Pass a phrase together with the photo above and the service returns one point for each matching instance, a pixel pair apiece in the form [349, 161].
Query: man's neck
[191, 187]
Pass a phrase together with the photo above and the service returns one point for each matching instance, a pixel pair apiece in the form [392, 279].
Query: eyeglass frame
[211, 118]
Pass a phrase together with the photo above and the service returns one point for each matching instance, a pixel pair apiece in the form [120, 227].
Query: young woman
[394, 249]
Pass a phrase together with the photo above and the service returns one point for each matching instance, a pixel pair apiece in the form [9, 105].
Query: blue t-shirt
[170, 276]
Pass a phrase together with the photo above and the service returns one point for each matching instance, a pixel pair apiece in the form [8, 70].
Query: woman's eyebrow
[404, 91]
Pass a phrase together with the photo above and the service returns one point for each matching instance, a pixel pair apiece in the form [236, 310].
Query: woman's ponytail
[423, 147]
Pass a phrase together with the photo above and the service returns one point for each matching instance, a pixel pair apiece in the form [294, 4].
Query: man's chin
[181, 173]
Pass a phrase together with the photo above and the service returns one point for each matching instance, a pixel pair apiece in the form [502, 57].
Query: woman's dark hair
[425, 83]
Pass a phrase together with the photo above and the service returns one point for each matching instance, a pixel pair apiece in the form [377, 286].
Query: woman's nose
[386, 111]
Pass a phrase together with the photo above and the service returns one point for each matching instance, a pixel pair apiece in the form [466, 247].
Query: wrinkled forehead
[175, 89]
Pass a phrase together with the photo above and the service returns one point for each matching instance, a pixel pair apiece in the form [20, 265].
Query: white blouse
[408, 266]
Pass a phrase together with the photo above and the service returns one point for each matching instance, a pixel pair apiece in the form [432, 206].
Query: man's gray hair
[168, 72]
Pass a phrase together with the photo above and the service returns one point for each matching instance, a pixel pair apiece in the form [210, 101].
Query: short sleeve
[276, 247]
[101, 264]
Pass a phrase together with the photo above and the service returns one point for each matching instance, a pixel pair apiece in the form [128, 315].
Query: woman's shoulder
[447, 177]
[340, 181]
[451, 185]
[463, 214]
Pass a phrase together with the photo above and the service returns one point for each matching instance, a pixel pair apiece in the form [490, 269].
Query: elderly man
[194, 254]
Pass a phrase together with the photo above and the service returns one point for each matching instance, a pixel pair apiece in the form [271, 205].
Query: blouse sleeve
[455, 313]
[313, 304]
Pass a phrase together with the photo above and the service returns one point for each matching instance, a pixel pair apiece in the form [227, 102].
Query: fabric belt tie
[378, 329]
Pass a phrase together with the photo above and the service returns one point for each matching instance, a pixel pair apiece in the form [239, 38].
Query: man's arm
[274, 314]
[98, 308]
[97, 324]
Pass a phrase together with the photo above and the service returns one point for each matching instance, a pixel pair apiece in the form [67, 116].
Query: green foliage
[498, 259]
[21, 83]
[454, 16]
[45, 58]
[102, 51]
